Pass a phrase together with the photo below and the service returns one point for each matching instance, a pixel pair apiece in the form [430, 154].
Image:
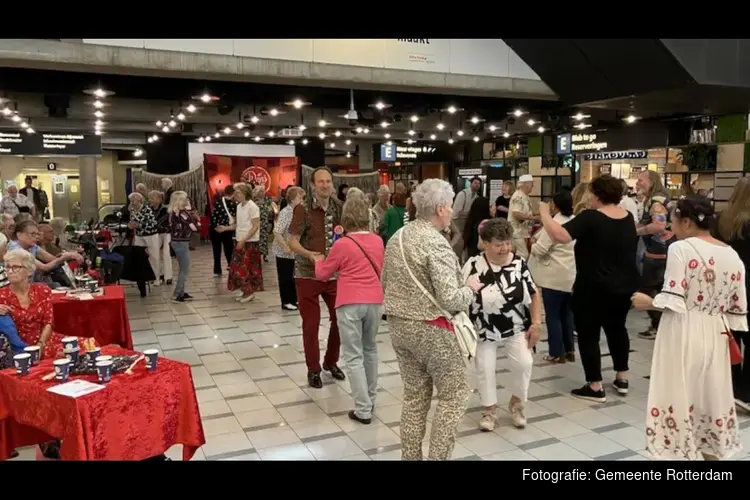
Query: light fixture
[389, 143]
[151, 139]
[433, 137]
[302, 127]
[581, 126]
[208, 98]
[181, 116]
[476, 139]
[247, 133]
[540, 130]
[291, 142]
[98, 104]
[451, 141]
[240, 126]
[384, 124]
[492, 128]
[98, 132]
[98, 114]
[273, 112]
[7, 111]
[257, 138]
[297, 103]
[580, 116]
[380, 105]
[518, 113]
[99, 93]
[322, 136]
[30, 130]
[172, 124]
[440, 126]
[254, 119]
[332, 145]
[530, 123]
[155, 137]
[322, 123]
[24, 125]
[99, 123]
[337, 133]
[304, 141]
[414, 118]
[16, 118]
[191, 108]
[159, 123]
[506, 134]
[460, 133]
[409, 141]
[165, 129]
[387, 136]
[208, 138]
[217, 135]
[366, 131]
[138, 152]
[410, 132]
[200, 139]
[358, 130]
[630, 118]
[227, 130]
[348, 154]
[476, 119]
[348, 142]
[271, 133]
[452, 109]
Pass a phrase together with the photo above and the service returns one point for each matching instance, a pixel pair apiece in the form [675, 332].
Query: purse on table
[466, 335]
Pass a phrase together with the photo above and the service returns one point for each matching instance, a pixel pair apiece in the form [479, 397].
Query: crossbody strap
[374, 267]
[414, 278]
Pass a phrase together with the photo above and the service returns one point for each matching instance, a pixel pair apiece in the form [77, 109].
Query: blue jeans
[358, 327]
[182, 252]
[560, 327]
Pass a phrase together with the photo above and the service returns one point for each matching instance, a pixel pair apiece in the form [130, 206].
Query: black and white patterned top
[3, 277]
[219, 215]
[501, 308]
[145, 217]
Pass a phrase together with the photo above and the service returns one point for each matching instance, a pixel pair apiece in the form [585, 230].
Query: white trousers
[520, 361]
[166, 259]
[152, 248]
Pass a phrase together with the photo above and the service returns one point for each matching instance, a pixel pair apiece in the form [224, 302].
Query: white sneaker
[244, 300]
[238, 293]
[516, 415]
[488, 421]
[289, 307]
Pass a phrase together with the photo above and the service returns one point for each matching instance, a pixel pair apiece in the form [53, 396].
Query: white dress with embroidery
[690, 401]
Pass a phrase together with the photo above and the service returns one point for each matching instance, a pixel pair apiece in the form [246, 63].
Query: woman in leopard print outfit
[423, 339]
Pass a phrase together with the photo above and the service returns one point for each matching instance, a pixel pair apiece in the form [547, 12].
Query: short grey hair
[3, 240]
[429, 196]
[384, 189]
[166, 181]
[140, 186]
[28, 260]
[354, 193]
[58, 225]
[135, 195]
[259, 191]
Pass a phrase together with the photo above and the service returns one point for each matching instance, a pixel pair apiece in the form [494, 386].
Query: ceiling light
[411, 132]
[630, 119]
[380, 105]
[254, 119]
[450, 141]
[191, 108]
[384, 124]
[358, 130]
[541, 130]
[332, 145]
[227, 130]
[208, 138]
[24, 125]
[240, 126]
[518, 113]
[581, 126]
[297, 103]
[200, 139]
[97, 132]
[98, 104]
[348, 142]
[217, 135]
[206, 98]
[433, 137]
[476, 119]
[452, 109]
[304, 141]
[172, 124]
[322, 123]
[580, 116]
[414, 118]
[7, 111]
[506, 134]
[165, 129]
[99, 93]
[440, 126]
[302, 127]
[151, 139]
[476, 139]
[409, 141]
[337, 133]
[181, 116]
[348, 154]
[387, 136]
[138, 152]
[16, 118]
[274, 112]
[492, 128]
[366, 131]
[389, 143]
[291, 142]
[271, 133]
[159, 123]
[257, 138]
[247, 133]
[530, 123]
[30, 130]
[98, 114]
[99, 123]
[460, 133]
[322, 136]
[155, 137]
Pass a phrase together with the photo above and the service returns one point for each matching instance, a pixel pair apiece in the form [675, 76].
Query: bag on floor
[466, 335]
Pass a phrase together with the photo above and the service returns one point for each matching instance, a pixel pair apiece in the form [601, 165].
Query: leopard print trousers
[429, 355]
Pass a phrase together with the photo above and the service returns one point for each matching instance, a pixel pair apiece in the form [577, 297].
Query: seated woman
[29, 304]
[26, 236]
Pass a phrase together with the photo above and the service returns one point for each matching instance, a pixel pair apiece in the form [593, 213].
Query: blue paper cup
[72, 355]
[104, 357]
[36, 353]
[104, 370]
[152, 359]
[22, 363]
[92, 286]
[69, 344]
[62, 369]
[93, 354]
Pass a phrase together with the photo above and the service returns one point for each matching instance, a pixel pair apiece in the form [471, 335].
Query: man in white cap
[522, 216]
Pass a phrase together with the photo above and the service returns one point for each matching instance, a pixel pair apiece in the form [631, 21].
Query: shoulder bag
[374, 267]
[230, 217]
[735, 352]
[466, 335]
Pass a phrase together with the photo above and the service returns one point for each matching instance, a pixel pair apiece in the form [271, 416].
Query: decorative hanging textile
[368, 183]
[192, 182]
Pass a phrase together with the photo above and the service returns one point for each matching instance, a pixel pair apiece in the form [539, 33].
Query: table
[105, 317]
[135, 417]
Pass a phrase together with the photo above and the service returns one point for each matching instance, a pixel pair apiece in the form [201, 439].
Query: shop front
[412, 162]
[69, 167]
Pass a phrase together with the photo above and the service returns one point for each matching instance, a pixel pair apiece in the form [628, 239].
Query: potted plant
[698, 157]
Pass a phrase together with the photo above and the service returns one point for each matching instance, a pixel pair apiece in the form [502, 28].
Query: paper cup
[69, 344]
[104, 357]
[22, 363]
[104, 370]
[93, 355]
[62, 369]
[152, 358]
[72, 355]
[35, 352]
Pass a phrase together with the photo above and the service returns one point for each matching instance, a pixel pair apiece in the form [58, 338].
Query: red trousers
[309, 292]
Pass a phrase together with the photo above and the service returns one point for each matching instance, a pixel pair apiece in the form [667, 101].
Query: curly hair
[608, 189]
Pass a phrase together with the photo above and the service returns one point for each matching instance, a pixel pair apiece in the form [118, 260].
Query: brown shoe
[571, 356]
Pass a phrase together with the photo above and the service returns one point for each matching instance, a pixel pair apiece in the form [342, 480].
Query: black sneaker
[179, 298]
[621, 386]
[169, 282]
[313, 378]
[187, 296]
[354, 417]
[649, 334]
[589, 394]
[335, 372]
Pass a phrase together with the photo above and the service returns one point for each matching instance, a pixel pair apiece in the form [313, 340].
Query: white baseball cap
[526, 178]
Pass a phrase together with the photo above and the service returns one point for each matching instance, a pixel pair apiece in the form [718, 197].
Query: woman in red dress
[29, 304]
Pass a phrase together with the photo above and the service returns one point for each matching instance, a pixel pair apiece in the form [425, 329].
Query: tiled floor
[250, 377]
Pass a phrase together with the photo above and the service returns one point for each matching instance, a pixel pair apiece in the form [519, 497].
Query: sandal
[551, 359]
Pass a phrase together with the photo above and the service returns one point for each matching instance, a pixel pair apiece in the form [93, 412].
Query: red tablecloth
[135, 417]
[105, 317]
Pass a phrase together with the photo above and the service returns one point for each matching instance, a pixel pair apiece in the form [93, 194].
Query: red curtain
[275, 173]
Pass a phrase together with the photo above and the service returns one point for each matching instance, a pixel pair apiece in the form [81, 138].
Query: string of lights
[12, 114]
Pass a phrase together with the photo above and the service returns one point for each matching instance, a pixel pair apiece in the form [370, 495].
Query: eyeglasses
[34, 233]
[14, 269]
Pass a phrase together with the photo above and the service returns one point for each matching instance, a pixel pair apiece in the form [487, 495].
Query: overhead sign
[20, 143]
[617, 155]
[562, 144]
[580, 143]
[393, 152]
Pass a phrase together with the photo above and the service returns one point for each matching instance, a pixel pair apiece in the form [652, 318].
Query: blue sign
[387, 152]
[562, 144]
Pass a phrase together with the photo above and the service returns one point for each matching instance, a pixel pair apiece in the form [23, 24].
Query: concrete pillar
[89, 188]
[366, 156]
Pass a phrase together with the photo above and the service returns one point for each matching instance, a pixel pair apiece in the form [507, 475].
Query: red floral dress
[31, 321]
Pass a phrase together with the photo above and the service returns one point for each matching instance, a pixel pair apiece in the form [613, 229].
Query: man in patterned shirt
[522, 216]
[312, 232]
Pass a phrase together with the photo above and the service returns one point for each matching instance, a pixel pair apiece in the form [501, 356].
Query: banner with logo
[273, 173]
